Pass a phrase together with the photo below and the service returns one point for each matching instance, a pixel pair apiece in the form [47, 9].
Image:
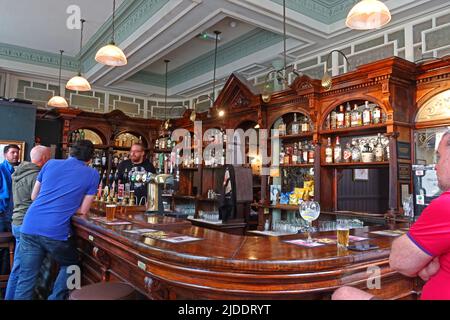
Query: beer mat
[303, 243]
[181, 239]
[272, 233]
[139, 231]
[350, 238]
[389, 233]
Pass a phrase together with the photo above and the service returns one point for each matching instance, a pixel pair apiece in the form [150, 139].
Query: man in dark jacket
[23, 180]
[11, 154]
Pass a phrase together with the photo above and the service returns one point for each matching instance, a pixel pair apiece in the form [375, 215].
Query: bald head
[40, 155]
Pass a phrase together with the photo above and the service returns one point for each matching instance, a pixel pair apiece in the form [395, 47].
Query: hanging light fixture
[193, 115]
[111, 55]
[166, 124]
[79, 83]
[221, 112]
[368, 14]
[58, 101]
[280, 74]
[326, 79]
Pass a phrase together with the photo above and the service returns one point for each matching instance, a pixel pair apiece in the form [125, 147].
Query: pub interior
[251, 150]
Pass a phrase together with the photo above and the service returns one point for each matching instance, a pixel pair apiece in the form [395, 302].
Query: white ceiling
[41, 24]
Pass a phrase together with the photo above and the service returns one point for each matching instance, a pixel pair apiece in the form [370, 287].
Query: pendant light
[58, 101]
[368, 14]
[111, 55]
[79, 83]
[164, 130]
[327, 81]
[221, 112]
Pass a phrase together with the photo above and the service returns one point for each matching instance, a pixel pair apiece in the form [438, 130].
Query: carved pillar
[393, 176]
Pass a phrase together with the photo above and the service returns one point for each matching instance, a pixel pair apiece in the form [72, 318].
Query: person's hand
[430, 270]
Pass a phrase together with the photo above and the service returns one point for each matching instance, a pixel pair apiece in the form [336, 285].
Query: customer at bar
[23, 180]
[136, 163]
[63, 188]
[11, 155]
[425, 250]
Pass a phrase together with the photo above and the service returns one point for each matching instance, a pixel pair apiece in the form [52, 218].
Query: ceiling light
[221, 113]
[368, 14]
[111, 55]
[79, 83]
[327, 81]
[58, 101]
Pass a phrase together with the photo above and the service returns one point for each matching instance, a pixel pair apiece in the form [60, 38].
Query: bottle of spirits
[356, 152]
[294, 153]
[288, 155]
[157, 144]
[348, 116]
[333, 121]
[282, 128]
[340, 118]
[366, 115]
[311, 153]
[82, 134]
[355, 117]
[337, 151]
[378, 150]
[103, 159]
[327, 122]
[376, 114]
[347, 153]
[305, 124]
[295, 128]
[305, 153]
[329, 152]
[282, 155]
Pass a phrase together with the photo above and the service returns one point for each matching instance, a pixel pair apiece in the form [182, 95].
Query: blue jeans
[14, 275]
[33, 249]
[5, 222]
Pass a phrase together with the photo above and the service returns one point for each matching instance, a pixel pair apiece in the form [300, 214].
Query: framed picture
[404, 150]
[360, 174]
[4, 143]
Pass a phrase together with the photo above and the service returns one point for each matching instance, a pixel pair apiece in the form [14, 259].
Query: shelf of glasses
[354, 130]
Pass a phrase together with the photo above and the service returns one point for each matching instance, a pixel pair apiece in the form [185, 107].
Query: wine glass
[310, 211]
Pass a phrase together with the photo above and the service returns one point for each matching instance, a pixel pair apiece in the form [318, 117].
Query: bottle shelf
[355, 130]
[357, 164]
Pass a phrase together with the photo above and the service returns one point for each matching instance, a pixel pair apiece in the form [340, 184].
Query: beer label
[379, 154]
[366, 117]
[347, 155]
[120, 190]
[376, 116]
[305, 127]
[329, 152]
[340, 119]
[328, 159]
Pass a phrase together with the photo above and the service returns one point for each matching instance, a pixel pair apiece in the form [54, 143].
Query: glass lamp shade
[368, 14]
[78, 83]
[111, 55]
[57, 102]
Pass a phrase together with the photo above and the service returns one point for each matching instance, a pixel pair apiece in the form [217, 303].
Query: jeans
[5, 222]
[33, 249]
[5, 226]
[14, 275]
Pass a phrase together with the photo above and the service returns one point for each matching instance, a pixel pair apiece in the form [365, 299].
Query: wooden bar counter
[226, 266]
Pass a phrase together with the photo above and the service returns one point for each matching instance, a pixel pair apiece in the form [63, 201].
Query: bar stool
[104, 291]
[7, 241]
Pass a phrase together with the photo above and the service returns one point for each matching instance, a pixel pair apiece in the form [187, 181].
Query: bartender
[136, 167]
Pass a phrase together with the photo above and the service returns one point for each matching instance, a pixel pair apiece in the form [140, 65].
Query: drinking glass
[110, 211]
[343, 233]
[310, 211]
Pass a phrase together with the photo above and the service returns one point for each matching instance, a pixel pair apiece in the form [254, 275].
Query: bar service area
[276, 150]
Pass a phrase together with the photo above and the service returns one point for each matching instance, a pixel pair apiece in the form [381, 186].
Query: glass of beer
[343, 233]
[110, 211]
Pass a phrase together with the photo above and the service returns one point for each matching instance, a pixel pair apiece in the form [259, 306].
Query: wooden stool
[104, 291]
[7, 240]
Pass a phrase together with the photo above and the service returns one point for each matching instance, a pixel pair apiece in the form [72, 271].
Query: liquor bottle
[311, 153]
[97, 161]
[355, 117]
[157, 144]
[376, 115]
[103, 160]
[327, 122]
[126, 183]
[288, 155]
[82, 134]
[299, 153]
[347, 153]
[282, 155]
[282, 128]
[294, 153]
[378, 150]
[337, 151]
[348, 116]
[356, 152]
[77, 135]
[340, 117]
[111, 180]
[329, 152]
[305, 124]
[295, 128]
[333, 121]
[366, 115]
[305, 152]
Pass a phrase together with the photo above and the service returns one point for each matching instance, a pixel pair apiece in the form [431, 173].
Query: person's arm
[86, 204]
[36, 189]
[407, 258]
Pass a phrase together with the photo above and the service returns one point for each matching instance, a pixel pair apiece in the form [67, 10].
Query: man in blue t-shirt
[63, 188]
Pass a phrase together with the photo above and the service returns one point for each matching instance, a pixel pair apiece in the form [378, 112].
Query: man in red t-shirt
[425, 250]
